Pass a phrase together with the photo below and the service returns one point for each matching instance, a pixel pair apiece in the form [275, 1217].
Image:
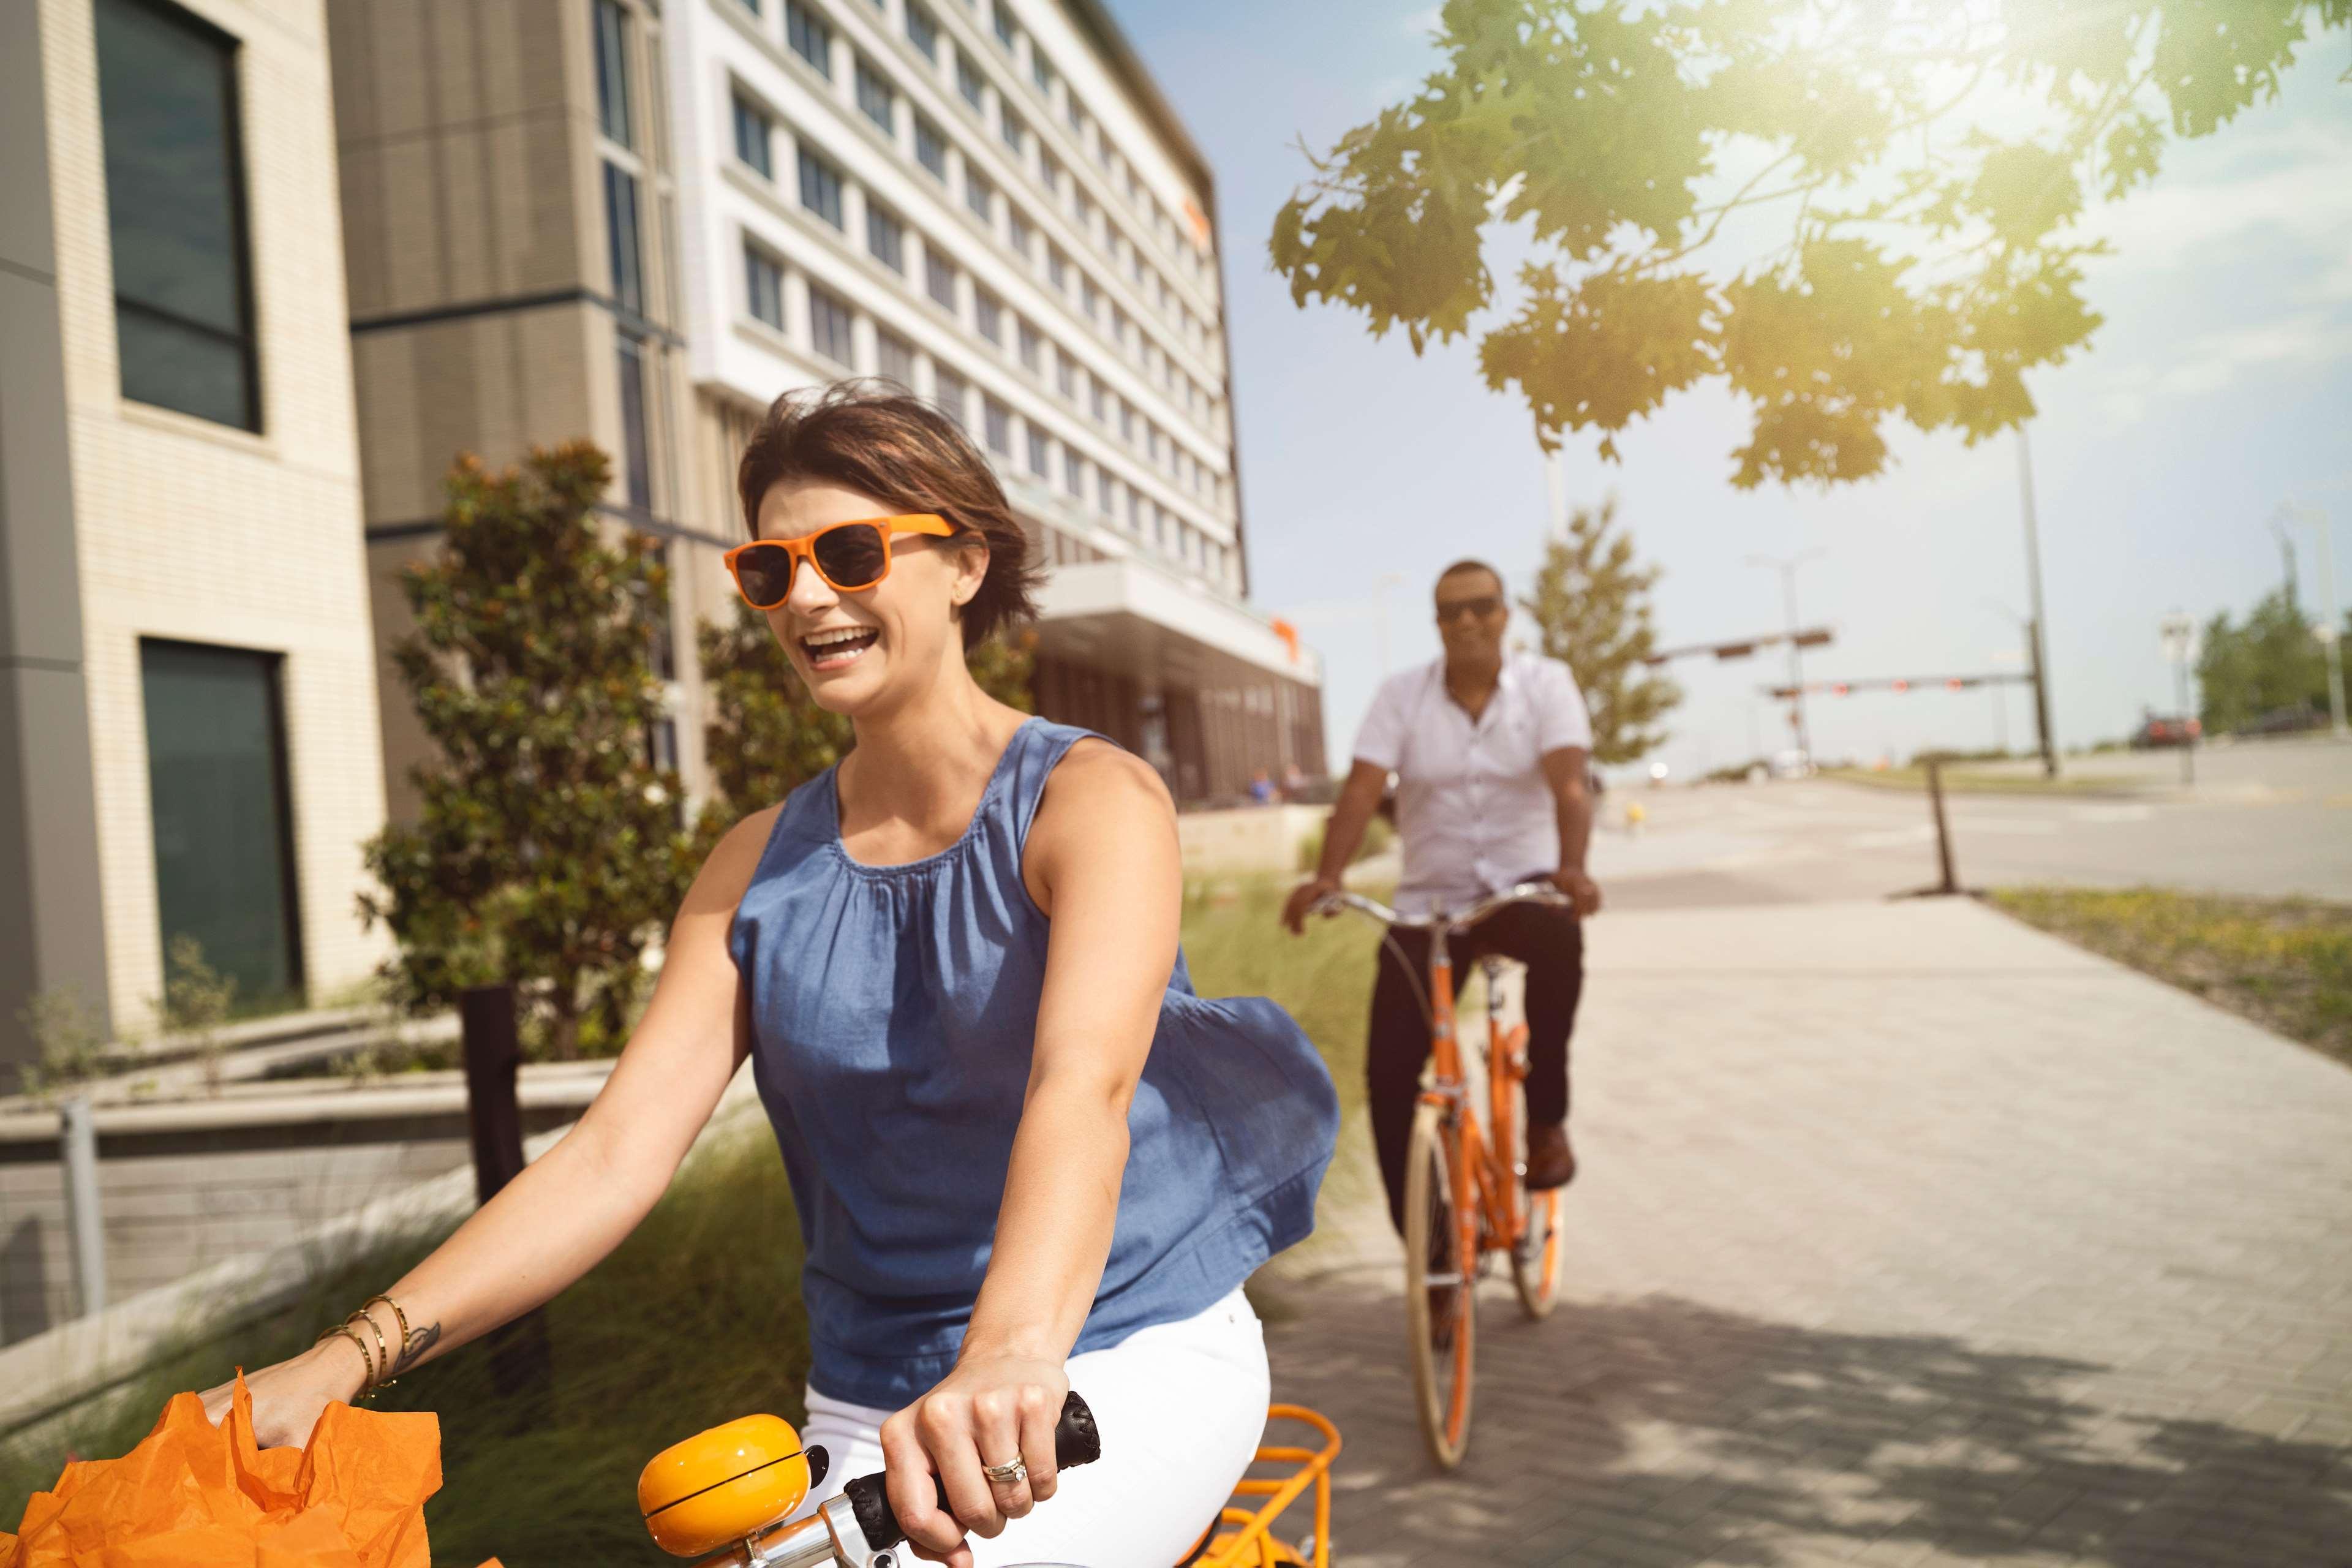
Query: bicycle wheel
[1535, 1261]
[1434, 1262]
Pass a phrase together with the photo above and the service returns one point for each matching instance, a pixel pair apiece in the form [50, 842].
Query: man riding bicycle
[1490, 752]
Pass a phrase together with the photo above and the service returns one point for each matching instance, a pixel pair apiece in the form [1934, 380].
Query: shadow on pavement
[1659, 1432]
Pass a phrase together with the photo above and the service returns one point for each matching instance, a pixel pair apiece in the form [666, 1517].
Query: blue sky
[2219, 386]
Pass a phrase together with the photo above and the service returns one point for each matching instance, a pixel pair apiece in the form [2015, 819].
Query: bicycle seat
[719, 1485]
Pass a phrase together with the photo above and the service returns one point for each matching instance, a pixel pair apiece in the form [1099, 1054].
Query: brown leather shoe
[1550, 1161]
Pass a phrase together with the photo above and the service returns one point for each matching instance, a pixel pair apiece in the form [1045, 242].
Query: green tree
[548, 852]
[767, 737]
[2269, 662]
[1850, 211]
[1592, 603]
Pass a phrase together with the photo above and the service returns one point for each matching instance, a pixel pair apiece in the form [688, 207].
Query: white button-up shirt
[1474, 807]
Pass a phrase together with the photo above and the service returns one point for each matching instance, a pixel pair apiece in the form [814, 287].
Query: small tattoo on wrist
[420, 1340]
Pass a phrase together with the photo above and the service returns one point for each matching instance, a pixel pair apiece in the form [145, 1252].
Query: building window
[763, 287]
[1073, 474]
[809, 37]
[874, 99]
[1015, 133]
[612, 70]
[1086, 209]
[951, 393]
[219, 802]
[930, 148]
[754, 136]
[1065, 377]
[940, 278]
[1016, 230]
[1090, 298]
[886, 236]
[1001, 16]
[978, 193]
[967, 81]
[621, 247]
[895, 357]
[820, 187]
[1040, 69]
[1031, 346]
[1127, 422]
[1040, 453]
[1108, 496]
[922, 31]
[1057, 268]
[998, 420]
[175, 214]
[636, 451]
[830, 327]
[1134, 515]
[1075, 113]
[1102, 415]
[988, 315]
[1049, 173]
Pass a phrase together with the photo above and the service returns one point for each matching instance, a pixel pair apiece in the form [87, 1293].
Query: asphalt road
[2265, 819]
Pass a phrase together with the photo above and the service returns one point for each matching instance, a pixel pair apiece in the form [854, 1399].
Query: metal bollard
[77, 1134]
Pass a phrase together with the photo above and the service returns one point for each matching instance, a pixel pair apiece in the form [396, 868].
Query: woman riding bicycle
[1024, 1154]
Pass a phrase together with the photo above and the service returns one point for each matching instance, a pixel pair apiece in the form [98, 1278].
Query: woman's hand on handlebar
[1303, 899]
[289, 1397]
[991, 1410]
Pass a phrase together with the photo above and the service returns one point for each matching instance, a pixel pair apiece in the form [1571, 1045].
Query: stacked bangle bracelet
[383, 1359]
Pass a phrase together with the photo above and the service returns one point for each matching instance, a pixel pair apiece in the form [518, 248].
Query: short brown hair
[1470, 565]
[881, 440]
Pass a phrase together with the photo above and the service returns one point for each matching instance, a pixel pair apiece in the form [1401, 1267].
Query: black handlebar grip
[1075, 1442]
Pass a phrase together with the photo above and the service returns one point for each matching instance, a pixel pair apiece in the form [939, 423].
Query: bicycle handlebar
[1521, 893]
[1075, 1442]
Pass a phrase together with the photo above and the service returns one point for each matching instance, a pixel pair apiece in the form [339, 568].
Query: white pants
[1180, 1407]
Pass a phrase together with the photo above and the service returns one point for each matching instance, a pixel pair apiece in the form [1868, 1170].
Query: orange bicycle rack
[1244, 1536]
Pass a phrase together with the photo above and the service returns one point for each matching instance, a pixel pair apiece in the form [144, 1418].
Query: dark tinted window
[921, 30]
[830, 327]
[820, 187]
[217, 779]
[886, 236]
[621, 238]
[930, 148]
[809, 37]
[612, 70]
[636, 452]
[752, 137]
[763, 287]
[875, 97]
[175, 213]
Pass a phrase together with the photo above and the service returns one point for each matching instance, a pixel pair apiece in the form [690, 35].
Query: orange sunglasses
[850, 557]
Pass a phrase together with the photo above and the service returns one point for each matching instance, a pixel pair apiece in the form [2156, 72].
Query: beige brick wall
[261, 533]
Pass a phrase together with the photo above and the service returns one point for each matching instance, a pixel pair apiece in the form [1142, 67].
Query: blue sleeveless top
[894, 1009]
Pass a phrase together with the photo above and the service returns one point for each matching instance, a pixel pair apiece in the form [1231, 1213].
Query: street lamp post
[2035, 635]
[2180, 648]
[1786, 566]
[2331, 630]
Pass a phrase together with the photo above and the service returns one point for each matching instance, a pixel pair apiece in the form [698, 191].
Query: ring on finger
[1017, 1471]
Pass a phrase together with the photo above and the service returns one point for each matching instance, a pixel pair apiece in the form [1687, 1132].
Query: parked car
[2161, 729]
[2285, 721]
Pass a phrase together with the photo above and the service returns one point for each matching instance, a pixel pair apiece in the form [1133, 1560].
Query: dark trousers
[1549, 942]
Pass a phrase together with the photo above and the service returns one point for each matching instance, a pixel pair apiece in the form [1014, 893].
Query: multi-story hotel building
[188, 734]
[989, 202]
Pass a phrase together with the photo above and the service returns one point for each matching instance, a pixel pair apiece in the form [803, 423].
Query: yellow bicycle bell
[721, 1484]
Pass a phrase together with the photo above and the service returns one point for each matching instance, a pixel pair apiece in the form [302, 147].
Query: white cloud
[1420, 24]
[2211, 361]
[2285, 184]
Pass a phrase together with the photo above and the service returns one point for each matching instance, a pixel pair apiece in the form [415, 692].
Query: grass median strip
[2286, 963]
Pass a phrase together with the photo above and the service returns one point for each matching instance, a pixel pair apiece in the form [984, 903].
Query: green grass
[2286, 963]
[1966, 781]
[696, 1319]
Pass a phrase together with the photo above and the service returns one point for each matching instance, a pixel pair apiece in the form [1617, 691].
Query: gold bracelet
[367, 1355]
[383, 1351]
[392, 1365]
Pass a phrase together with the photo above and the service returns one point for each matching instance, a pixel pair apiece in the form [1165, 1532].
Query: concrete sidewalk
[1905, 1234]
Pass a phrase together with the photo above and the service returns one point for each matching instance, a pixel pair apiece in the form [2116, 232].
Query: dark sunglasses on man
[1478, 608]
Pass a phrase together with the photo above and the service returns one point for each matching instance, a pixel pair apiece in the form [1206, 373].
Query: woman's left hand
[993, 1409]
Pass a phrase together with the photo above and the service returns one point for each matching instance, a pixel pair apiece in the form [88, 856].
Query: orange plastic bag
[192, 1495]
